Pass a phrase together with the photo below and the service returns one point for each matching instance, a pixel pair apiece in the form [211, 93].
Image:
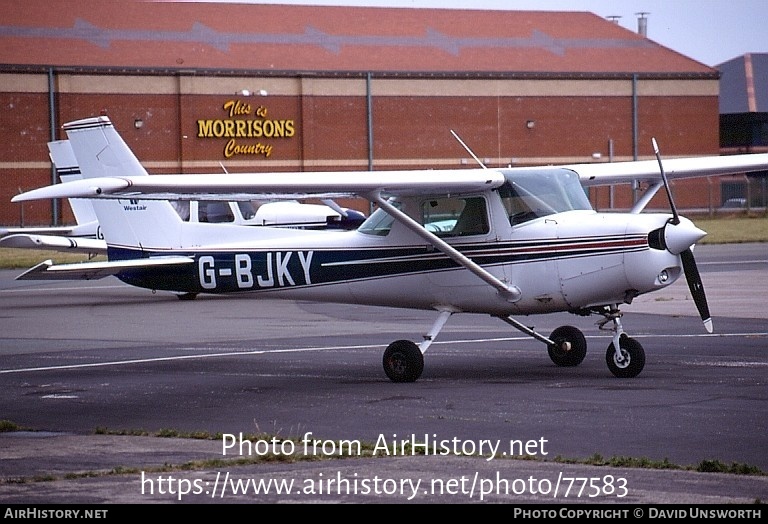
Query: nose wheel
[629, 361]
[625, 356]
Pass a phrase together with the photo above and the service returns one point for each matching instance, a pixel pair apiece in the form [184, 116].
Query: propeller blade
[696, 287]
[675, 216]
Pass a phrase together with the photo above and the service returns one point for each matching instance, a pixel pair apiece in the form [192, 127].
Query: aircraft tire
[187, 296]
[575, 355]
[403, 361]
[634, 358]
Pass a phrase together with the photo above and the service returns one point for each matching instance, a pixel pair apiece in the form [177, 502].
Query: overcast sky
[709, 31]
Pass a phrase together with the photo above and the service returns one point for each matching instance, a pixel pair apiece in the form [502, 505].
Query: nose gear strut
[625, 356]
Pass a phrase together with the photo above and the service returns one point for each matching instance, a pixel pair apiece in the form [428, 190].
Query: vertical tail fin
[132, 225]
[64, 161]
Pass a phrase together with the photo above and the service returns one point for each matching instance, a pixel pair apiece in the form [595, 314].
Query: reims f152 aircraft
[499, 242]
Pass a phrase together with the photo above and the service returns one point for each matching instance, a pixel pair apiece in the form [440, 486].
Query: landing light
[663, 276]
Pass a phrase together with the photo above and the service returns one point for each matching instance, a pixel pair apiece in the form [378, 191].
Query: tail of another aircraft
[64, 161]
[132, 225]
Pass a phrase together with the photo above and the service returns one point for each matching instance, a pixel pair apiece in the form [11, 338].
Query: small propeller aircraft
[86, 225]
[499, 242]
[83, 237]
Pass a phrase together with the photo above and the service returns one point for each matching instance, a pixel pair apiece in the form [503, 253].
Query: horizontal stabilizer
[93, 246]
[87, 229]
[95, 270]
[50, 230]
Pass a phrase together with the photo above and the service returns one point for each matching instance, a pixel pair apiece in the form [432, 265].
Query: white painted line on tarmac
[334, 348]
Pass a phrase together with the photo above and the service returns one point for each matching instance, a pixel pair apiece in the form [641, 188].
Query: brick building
[264, 88]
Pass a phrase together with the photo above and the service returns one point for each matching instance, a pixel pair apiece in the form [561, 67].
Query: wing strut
[647, 196]
[510, 293]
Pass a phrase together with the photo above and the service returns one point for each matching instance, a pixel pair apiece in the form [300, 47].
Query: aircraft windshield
[247, 209]
[538, 193]
[379, 223]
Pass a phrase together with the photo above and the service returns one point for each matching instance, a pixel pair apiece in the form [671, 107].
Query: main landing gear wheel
[570, 346]
[403, 361]
[632, 359]
[187, 296]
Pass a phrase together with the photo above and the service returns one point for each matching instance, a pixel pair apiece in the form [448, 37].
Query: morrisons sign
[246, 128]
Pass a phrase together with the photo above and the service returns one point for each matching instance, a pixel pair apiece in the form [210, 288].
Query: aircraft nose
[679, 237]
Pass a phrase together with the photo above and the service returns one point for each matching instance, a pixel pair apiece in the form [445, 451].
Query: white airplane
[499, 242]
[85, 236]
[276, 213]
[86, 224]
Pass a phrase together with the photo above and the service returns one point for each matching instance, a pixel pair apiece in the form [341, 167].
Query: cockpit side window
[450, 217]
[247, 209]
[443, 216]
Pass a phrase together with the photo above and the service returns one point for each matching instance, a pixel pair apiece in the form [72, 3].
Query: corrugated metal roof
[134, 34]
[744, 84]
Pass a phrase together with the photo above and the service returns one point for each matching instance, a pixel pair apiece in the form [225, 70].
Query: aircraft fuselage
[562, 262]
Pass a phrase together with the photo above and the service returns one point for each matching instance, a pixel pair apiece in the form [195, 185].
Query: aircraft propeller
[679, 236]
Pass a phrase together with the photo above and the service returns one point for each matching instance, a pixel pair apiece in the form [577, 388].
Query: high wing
[117, 164]
[262, 185]
[366, 183]
[650, 171]
[675, 168]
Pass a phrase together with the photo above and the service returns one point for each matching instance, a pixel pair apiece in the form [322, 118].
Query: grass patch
[733, 229]
[705, 466]
[7, 425]
[736, 468]
[11, 258]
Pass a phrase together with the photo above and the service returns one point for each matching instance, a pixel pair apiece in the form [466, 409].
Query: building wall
[322, 124]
